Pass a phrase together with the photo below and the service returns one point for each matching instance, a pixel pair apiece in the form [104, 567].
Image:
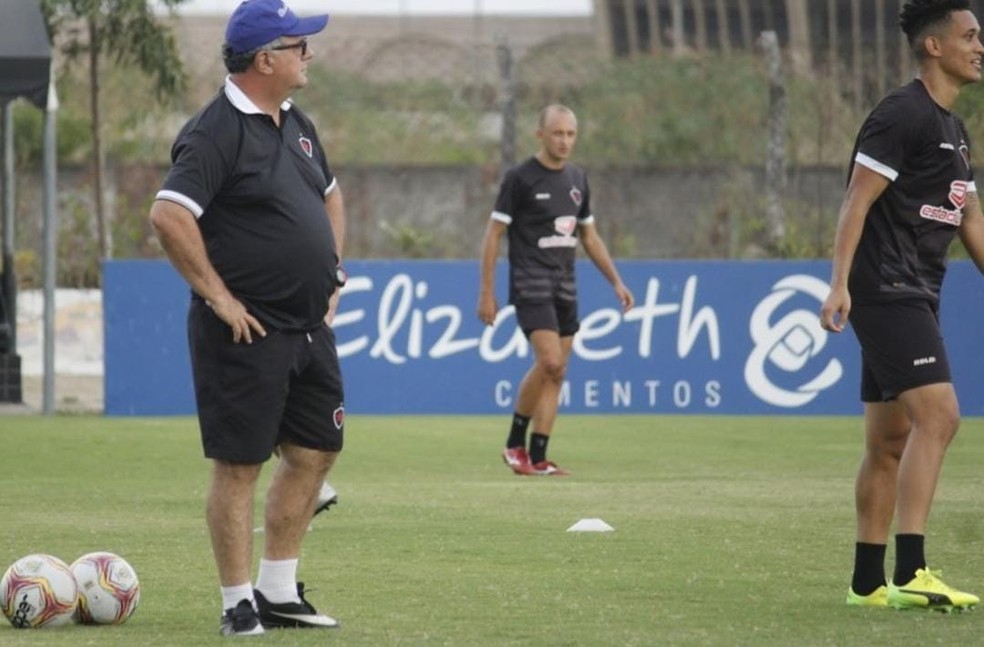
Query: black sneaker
[241, 620]
[292, 614]
[327, 497]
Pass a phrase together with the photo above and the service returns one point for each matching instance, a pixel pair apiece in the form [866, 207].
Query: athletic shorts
[558, 315]
[901, 348]
[282, 388]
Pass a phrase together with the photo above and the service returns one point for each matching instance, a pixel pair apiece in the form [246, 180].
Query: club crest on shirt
[338, 417]
[576, 195]
[306, 146]
[958, 193]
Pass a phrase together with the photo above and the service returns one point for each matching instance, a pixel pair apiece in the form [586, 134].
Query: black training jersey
[924, 151]
[258, 192]
[542, 208]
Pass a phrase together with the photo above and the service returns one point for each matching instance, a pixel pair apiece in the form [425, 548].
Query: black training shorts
[285, 387]
[901, 347]
[558, 315]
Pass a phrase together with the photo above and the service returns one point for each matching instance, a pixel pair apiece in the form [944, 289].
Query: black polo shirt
[924, 150]
[258, 192]
[543, 208]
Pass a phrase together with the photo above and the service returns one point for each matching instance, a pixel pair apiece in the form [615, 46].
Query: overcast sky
[397, 7]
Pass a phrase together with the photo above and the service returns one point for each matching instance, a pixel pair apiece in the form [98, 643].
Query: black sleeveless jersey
[542, 208]
[924, 150]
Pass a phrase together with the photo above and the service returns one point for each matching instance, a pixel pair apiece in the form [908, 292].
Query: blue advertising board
[729, 337]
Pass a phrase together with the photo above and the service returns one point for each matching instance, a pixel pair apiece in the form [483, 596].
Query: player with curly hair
[911, 190]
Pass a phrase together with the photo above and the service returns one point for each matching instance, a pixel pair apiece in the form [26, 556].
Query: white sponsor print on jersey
[564, 226]
[923, 361]
[542, 196]
[941, 214]
[947, 146]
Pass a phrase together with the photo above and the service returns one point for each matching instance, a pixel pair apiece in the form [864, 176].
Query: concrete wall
[441, 212]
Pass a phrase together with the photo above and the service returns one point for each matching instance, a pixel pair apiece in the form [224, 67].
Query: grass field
[728, 531]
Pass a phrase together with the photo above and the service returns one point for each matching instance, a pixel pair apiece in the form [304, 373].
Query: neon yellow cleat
[928, 591]
[877, 598]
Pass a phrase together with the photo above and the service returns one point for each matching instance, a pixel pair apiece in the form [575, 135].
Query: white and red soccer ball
[43, 591]
[109, 590]
[39, 591]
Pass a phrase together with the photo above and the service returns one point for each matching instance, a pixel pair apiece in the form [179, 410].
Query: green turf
[728, 531]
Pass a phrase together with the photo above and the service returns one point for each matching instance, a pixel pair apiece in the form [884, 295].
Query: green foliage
[127, 30]
[728, 531]
[392, 123]
[671, 111]
[78, 253]
[410, 241]
[72, 137]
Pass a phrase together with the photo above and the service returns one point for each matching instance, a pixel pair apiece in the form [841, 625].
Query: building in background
[856, 40]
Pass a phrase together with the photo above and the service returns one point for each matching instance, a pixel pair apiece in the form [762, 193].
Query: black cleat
[327, 497]
[241, 620]
[292, 614]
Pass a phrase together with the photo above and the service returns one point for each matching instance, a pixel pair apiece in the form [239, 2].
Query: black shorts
[558, 315]
[285, 387]
[901, 348]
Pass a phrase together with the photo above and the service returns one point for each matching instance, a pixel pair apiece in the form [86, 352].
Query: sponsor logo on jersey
[564, 226]
[576, 195]
[958, 193]
[542, 196]
[923, 361]
[941, 214]
[947, 146]
[282, 11]
[306, 146]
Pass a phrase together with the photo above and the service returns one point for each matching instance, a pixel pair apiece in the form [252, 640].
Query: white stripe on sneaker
[319, 620]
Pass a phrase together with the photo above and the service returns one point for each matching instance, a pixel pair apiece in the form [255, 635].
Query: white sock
[277, 580]
[233, 595]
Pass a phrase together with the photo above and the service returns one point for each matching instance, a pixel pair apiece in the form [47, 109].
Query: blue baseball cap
[257, 22]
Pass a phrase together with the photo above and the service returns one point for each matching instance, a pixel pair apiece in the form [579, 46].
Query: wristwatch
[341, 276]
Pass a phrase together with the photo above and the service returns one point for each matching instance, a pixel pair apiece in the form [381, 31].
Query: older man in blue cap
[252, 217]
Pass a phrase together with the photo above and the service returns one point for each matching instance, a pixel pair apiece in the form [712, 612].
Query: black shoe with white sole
[327, 497]
[292, 614]
[241, 620]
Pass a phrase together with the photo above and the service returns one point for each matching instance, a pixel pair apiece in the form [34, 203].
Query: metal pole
[50, 247]
[9, 277]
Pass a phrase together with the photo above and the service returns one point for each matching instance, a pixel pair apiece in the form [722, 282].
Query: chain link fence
[420, 115]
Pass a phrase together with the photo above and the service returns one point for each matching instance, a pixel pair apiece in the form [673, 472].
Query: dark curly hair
[920, 16]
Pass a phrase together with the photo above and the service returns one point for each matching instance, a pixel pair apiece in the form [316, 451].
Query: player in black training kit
[544, 203]
[911, 190]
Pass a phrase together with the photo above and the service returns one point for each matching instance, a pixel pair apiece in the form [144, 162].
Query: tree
[127, 33]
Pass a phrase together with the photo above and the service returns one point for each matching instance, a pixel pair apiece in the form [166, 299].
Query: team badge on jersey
[958, 194]
[338, 417]
[306, 146]
[576, 195]
[965, 154]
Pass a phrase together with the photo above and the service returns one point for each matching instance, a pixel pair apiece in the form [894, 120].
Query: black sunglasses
[301, 44]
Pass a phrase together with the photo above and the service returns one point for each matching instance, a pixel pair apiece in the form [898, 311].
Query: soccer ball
[109, 590]
[38, 591]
